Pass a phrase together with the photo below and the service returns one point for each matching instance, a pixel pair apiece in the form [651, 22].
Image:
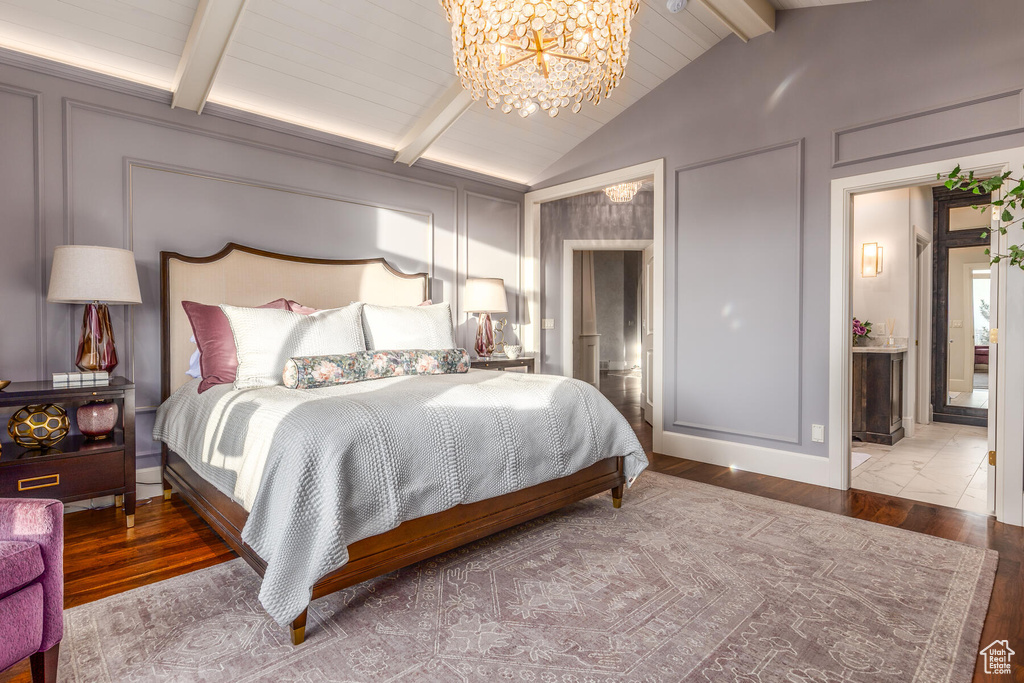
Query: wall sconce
[870, 259]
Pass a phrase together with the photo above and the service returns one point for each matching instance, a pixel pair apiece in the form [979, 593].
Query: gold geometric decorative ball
[39, 426]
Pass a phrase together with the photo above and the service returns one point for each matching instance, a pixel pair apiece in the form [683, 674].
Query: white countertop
[880, 349]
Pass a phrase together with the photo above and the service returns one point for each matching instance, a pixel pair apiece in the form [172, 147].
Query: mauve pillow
[218, 358]
[296, 307]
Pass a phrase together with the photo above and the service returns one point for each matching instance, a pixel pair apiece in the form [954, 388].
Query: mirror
[968, 327]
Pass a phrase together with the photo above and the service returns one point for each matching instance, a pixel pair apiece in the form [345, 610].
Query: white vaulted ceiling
[376, 71]
[140, 40]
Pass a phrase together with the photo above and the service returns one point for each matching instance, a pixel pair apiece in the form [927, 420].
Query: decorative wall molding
[70, 104]
[797, 296]
[161, 96]
[78, 74]
[37, 224]
[131, 165]
[462, 258]
[261, 121]
[1001, 113]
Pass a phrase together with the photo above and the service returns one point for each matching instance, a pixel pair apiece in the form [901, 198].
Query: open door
[647, 338]
[991, 344]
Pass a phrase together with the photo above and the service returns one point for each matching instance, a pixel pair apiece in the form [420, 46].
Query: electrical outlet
[956, 324]
[818, 433]
[547, 323]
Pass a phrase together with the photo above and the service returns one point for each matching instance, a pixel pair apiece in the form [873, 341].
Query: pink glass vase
[484, 336]
[97, 419]
[96, 345]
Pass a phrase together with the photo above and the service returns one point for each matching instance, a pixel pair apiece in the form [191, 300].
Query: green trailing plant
[1010, 205]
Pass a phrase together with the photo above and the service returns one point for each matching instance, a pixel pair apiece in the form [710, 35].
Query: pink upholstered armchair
[31, 584]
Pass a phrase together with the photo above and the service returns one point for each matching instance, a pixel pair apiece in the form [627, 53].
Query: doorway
[537, 321]
[1005, 434]
[609, 301]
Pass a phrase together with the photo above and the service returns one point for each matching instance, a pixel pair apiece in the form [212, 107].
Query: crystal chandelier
[547, 54]
[623, 192]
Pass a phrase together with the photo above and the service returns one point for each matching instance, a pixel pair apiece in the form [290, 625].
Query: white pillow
[193, 362]
[408, 327]
[265, 338]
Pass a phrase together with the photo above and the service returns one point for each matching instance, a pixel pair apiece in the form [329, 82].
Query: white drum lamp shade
[485, 295]
[82, 275]
[94, 276]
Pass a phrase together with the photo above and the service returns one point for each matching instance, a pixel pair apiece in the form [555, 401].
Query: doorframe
[568, 247]
[923, 328]
[531, 262]
[1009, 351]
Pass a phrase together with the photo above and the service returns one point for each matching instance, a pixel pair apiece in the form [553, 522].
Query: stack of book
[81, 379]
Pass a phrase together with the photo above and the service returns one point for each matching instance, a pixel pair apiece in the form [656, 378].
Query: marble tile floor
[942, 464]
[970, 399]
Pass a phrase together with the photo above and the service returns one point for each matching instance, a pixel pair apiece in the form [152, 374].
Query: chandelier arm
[541, 62]
[518, 60]
[561, 55]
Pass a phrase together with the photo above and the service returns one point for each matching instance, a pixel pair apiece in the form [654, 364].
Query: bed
[245, 276]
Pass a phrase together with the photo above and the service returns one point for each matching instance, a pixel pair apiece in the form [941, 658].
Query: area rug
[686, 582]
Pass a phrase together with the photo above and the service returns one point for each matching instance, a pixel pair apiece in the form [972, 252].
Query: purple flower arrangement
[861, 330]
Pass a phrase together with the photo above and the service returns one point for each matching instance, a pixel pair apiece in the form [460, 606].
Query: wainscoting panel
[493, 249]
[975, 119]
[149, 185]
[173, 208]
[21, 306]
[737, 330]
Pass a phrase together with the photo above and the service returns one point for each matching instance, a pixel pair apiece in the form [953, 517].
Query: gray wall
[752, 134]
[81, 164]
[586, 216]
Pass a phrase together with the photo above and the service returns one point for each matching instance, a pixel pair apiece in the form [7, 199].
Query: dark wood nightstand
[76, 468]
[503, 363]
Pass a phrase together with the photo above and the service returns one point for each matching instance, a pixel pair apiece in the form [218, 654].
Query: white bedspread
[320, 469]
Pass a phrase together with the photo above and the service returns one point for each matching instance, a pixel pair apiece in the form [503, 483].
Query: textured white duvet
[320, 469]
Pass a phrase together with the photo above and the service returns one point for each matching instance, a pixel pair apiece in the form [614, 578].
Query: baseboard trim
[808, 469]
[143, 491]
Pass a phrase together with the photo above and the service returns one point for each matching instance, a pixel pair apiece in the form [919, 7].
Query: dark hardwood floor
[102, 558]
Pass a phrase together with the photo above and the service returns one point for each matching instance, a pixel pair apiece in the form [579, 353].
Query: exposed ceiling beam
[442, 114]
[208, 39]
[746, 18]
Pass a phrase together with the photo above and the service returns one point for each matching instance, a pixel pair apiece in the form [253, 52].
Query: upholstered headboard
[244, 276]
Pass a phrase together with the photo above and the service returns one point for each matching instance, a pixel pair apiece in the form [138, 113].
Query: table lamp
[94, 276]
[485, 295]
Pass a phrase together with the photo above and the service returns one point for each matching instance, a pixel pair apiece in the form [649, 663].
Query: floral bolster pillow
[313, 372]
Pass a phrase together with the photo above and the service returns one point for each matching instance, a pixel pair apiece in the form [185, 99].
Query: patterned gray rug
[687, 582]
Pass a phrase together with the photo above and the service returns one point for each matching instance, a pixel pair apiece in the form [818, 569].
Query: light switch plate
[956, 324]
[818, 433]
[547, 323]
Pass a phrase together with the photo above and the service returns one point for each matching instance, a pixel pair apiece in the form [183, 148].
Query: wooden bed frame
[414, 540]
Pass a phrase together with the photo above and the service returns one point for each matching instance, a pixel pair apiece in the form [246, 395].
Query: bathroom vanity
[878, 393]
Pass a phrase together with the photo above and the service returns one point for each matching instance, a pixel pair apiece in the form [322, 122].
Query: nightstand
[77, 468]
[524, 363]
